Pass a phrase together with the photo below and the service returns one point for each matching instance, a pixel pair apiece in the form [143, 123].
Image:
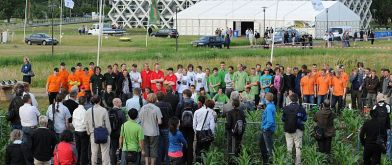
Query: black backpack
[290, 125]
[382, 112]
[114, 120]
[187, 116]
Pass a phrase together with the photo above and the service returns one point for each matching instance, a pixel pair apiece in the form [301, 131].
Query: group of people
[252, 36]
[158, 115]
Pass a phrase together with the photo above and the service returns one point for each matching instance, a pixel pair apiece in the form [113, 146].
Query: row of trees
[382, 13]
[38, 9]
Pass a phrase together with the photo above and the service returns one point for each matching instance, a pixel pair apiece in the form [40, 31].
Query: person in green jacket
[214, 82]
[222, 73]
[239, 79]
[221, 97]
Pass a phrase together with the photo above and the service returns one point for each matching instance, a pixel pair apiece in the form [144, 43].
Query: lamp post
[52, 6]
[264, 7]
[176, 30]
[327, 20]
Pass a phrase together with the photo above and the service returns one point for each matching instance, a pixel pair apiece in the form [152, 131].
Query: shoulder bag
[100, 133]
[205, 136]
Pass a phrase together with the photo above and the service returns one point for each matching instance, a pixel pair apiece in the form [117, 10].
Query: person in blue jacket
[26, 70]
[176, 142]
[268, 127]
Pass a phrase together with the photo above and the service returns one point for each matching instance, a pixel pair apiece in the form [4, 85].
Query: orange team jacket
[345, 77]
[86, 82]
[315, 74]
[338, 85]
[79, 74]
[54, 83]
[90, 72]
[73, 80]
[323, 84]
[172, 78]
[307, 84]
[64, 78]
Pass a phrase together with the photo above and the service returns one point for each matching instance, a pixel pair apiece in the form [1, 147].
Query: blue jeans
[309, 99]
[124, 159]
[389, 144]
[163, 147]
[27, 131]
[320, 99]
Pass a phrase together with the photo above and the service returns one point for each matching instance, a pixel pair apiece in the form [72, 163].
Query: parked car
[339, 30]
[172, 33]
[279, 36]
[107, 29]
[210, 41]
[40, 39]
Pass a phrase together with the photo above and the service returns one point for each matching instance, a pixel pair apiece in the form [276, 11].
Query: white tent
[205, 17]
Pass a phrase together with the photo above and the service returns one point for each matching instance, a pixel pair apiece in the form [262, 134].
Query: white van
[339, 30]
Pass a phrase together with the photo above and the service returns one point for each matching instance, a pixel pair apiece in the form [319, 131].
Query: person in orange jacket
[339, 85]
[308, 88]
[86, 80]
[63, 73]
[65, 152]
[91, 69]
[73, 80]
[79, 71]
[53, 85]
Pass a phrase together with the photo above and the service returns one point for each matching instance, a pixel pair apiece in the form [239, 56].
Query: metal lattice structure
[134, 13]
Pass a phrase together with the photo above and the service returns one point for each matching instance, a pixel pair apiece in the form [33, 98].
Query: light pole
[52, 6]
[327, 20]
[264, 7]
[176, 30]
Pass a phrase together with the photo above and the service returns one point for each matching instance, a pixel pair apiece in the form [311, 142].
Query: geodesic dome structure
[134, 13]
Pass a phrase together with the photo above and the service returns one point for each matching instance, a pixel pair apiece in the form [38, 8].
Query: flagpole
[273, 35]
[100, 31]
[61, 18]
[25, 22]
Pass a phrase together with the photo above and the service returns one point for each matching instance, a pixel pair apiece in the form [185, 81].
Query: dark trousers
[278, 98]
[339, 101]
[176, 161]
[266, 146]
[189, 136]
[324, 145]
[371, 155]
[27, 79]
[201, 148]
[52, 97]
[114, 145]
[234, 144]
[82, 141]
[257, 100]
[356, 99]
[163, 147]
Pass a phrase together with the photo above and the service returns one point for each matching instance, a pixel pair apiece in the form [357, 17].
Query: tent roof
[252, 10]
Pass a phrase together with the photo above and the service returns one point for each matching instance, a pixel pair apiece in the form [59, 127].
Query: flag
[154, 18]
[317, 5]
[69, 3]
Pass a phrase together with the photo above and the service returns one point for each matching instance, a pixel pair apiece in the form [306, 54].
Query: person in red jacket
[65, 152]
[146, 77]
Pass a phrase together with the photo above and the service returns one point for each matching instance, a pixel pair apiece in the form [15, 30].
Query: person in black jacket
[171, 98]
[117, 119]
[17, 153]
[167, 112]
[370, 131]
[43, 142]
[124, 86]
[15, 104]
[108, 96]
[71, 103]
[234, 119]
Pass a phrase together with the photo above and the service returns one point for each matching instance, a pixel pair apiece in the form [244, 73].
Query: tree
[381, 10]
[9, 8]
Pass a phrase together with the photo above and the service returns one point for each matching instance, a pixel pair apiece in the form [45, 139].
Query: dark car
[40, 39]
[279, 36]
[172, 33]
[210, 41]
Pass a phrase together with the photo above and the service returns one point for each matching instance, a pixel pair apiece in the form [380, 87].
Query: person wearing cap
[91, 69]
[97, 82]
[73, 80]
[63, 73]
[135, 77]
[79, 71]
[157, 76]
[53, 85]
[308, 88]
[383, 110]
[170, 79]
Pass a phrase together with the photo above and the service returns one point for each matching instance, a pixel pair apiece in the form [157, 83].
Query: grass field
[76, 48]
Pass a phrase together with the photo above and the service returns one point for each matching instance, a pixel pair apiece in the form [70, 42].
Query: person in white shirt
[178, 74]
[201, 80]
[183, 83]
[135, 76]
[81, 137]
[27, 91]
[203, 121]
[136, 101]
[194, 93]
[28, 117]
[191, 74]
[61, 114]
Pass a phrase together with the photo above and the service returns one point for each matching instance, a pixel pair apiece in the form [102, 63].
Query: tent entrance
[245, 26]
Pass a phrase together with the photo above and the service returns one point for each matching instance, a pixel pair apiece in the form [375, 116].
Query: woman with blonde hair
[17, 152]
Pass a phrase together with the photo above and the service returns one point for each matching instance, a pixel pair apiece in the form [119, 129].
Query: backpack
[187, 116]
[382, 112]
[114, 120]
[290, 125]
[239, 127]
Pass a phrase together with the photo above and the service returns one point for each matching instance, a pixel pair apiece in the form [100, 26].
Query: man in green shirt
[221, 97]
[131, 138]
[222, 73]
[239, 79]
[214, 82]
[253, 84]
